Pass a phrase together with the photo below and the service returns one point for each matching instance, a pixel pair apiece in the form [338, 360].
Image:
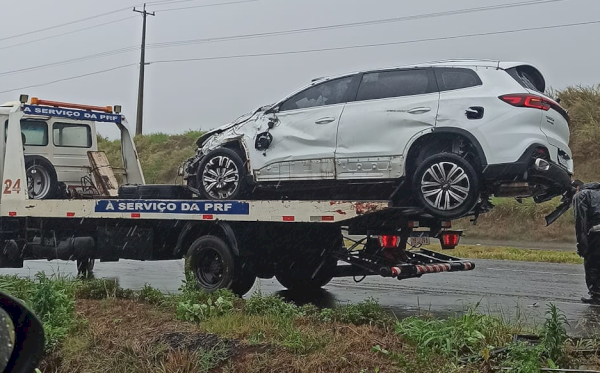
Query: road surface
[514, 290]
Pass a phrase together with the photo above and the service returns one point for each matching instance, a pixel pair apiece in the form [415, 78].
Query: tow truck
[227, 244]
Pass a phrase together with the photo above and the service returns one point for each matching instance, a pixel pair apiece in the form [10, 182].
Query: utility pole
[140, 105]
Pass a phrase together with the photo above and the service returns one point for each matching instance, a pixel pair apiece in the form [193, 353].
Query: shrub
[151, 295]
[102, 289]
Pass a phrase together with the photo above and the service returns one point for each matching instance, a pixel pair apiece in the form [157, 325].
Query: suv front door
[391, 107]
[304, 134]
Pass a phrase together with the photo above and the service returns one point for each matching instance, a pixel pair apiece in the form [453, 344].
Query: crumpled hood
[227, 126]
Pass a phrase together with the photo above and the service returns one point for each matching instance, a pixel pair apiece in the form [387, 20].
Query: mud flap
[565, 204]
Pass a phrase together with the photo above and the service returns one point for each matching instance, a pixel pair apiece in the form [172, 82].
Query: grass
[509, 253]
[112, 329]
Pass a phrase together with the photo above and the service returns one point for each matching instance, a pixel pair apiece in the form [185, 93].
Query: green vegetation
[511, 253]
[96, 326]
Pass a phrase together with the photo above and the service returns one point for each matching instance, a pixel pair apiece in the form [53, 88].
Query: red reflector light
[207, 217]
[389, 241]
[135, 215]
[12, 213]
[449, 239]
[70, 214]
[288, 218]
[526, 100]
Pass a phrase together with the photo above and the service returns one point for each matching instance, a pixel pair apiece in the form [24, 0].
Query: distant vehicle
[453, 132]
[56, 150]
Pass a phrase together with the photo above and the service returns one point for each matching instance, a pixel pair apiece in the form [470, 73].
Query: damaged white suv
[443, 136]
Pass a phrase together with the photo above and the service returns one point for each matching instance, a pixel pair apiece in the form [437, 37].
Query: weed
[455, 336]
[212, 358]
[367, 312]
[53, 302]
[197, 312]
[151, 295]
[17, 287]
[102, 289]
[271, 305]
[554, 334]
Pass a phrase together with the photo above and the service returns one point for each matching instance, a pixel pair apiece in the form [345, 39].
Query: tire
[221, 175]
[434, 188]
[42, 182]
[301, 276]
[212, 263]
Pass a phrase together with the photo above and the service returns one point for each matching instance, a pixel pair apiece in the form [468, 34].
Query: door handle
[325, 120]
[419, 110]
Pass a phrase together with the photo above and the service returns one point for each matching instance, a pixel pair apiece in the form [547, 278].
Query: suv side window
[393, 83]
[327, 93]
[451, 78]
[34, 132]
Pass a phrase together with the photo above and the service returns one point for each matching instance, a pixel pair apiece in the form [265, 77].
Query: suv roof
[442, 63]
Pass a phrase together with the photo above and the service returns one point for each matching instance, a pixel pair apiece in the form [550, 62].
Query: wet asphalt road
[515, 290]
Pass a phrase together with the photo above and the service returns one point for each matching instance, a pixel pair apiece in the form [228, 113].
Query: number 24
[10, 187]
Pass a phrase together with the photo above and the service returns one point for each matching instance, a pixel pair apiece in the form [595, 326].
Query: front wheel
[221, 175]
[446, 185]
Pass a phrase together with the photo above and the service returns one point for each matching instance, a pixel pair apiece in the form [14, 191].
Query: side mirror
[21, 337]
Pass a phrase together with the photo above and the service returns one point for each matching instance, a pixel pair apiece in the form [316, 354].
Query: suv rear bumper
[545, 182]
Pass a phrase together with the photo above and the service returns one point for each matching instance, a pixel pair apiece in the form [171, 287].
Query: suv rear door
[390, 107]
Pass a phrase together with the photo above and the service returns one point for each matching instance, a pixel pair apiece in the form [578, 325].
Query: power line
[278, 33]
[70, 61]
[64, 24]
[380, 44]
[67, 33]
[352, 24]
[324, 49]
[71, 78]
[208, 5]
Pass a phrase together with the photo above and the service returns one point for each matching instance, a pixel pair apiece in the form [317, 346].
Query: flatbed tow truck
[227, 244]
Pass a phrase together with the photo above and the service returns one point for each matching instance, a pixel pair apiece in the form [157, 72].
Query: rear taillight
[389, 241]
[449, 239]
[534, 102]
[525, 100]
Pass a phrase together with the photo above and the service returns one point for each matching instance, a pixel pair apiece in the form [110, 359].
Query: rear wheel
[446, 185]
[215, 267]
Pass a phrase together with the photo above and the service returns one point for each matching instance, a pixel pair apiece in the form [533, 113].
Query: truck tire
[301, 276]
[42, 182]
[446, 185]
[221, 175]
[212, 263]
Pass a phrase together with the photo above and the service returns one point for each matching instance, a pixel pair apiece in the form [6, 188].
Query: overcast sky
[205, 94]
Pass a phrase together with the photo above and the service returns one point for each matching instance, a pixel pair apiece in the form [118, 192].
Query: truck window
[35, 131]
[72, 135]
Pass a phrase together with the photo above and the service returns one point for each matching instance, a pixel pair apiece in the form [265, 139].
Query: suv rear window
[393, 83]
[450, 78]
[529, 77]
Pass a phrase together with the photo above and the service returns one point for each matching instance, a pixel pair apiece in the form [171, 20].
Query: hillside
[162, 154]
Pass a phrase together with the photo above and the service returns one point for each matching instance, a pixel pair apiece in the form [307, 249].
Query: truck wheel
[446, 185]
[221, 175]
[212, 263]
[301, 276]
[42, 182]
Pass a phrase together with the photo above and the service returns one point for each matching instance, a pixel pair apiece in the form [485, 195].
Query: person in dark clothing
[586, 208]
